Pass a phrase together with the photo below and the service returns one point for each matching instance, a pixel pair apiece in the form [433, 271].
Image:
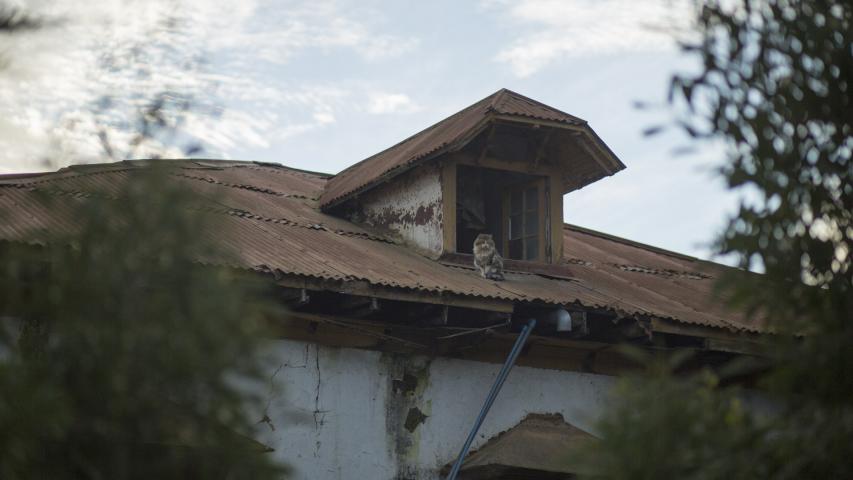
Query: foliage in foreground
[775, 88]
[123, 357]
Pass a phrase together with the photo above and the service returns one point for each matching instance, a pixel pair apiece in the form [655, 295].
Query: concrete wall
[348, 413]
[410, 206]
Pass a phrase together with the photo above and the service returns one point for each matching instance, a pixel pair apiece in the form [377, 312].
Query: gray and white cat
[487, 258]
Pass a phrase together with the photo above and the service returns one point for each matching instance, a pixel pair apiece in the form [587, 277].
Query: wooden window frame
[555, 192]
[542, 221]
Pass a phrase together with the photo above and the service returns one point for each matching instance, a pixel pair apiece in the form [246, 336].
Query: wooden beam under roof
[365, 289]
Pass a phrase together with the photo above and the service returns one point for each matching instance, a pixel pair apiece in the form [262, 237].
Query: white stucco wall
[409, 205]
[342, 412]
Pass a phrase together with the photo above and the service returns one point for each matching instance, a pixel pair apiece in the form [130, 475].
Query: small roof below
[454, 132]
[540, 446]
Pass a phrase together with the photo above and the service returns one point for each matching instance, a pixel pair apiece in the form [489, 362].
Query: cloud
[559, 29]
[103, 61]
[287, 28]
[385, 103]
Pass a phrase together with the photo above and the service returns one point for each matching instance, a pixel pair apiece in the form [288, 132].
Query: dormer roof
[455, 131]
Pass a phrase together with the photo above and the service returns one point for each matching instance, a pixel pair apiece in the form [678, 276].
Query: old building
[393, 339]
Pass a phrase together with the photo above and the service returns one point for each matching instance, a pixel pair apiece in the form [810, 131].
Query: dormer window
[500, 166]
[511, 206]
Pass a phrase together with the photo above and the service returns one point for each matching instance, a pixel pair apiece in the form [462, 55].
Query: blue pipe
[490, 399]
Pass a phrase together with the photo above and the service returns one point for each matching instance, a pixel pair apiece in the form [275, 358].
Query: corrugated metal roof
[447, 135]
[268, 220]
[507, 102]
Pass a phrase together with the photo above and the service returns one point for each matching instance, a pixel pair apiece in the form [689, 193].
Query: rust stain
[425, 214]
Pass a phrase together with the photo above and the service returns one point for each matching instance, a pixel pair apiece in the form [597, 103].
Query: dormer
[500, 166]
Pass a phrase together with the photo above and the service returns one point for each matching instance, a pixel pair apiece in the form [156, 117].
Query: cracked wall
[340, 413]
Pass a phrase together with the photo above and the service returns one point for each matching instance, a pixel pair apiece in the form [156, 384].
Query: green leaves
[775, 88]
[135, 360]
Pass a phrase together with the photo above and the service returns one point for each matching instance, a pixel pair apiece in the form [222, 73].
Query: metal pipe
[493, 393]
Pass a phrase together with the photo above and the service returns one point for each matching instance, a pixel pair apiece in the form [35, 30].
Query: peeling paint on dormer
[409, 206]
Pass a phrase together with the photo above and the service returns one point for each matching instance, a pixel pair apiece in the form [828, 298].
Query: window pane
[515, 247]
[531, 223]
[515, 203]
[515, 227]
[531, 199]
[531, 248]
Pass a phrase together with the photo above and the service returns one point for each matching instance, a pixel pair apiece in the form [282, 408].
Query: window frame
[541, 213]
[554, 185]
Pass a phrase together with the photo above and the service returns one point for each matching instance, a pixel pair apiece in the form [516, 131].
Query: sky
[323, 84]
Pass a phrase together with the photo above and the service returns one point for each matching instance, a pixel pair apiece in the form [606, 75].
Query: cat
[487, 258]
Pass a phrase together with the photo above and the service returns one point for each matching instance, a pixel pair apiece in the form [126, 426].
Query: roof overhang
[574, 151]
[458, 130]
[599, 160]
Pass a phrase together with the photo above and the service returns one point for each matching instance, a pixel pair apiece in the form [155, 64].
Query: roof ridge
[79, 169]
[264, 190]
[282, 166]
[39, 178]
[240, 213]
[525, 98]
[83, 169]
[497, 98]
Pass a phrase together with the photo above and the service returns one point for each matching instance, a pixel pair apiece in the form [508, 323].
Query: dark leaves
[120, 344]
[775, 88]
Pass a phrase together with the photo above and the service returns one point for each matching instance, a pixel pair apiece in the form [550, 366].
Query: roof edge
[459, 142]
[598, 150]
[503, 91]
[82, 168]
[634, 243]
[469, 107]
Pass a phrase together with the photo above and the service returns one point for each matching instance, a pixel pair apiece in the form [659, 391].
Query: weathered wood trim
[541, 123]
[540, 152]
[555, 204]
[734, 346]
[297, 328]
[488, 344]
[367, 330]
[521, 166]
[448, 205]
[601, 154]
[544, 220]
[505, 225]
[355, 287]
[491, 347]
[715, 338]
[488, 142]
[589, 146]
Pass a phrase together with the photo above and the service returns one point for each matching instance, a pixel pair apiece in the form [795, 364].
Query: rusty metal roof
[270, 221]
[448, 135]
[538, 443]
